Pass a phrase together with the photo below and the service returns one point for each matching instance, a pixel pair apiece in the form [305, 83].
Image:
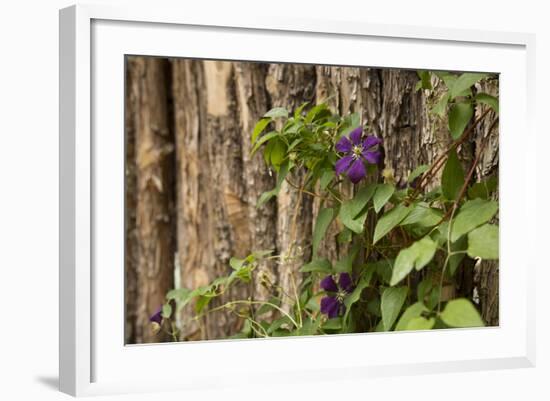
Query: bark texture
[154, 183]
[487, 272]
[217, 183]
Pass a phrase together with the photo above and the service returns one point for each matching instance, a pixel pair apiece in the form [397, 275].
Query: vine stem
[440, 161]
[305, 191]
[229, 304]
[453, 210]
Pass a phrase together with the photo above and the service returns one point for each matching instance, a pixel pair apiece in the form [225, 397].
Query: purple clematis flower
[356, 150]
[333, 305]
[157, 316]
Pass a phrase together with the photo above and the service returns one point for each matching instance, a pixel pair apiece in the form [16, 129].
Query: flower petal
[343, 145]
[357, 171]
[371, 141]
[157, 316]
[373, 157]
[355, 135]
[345, 282]
[330, 306]
[328, 284]
[343, 164]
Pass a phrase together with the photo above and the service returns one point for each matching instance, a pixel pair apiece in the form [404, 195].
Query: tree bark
[487, 272]
[154, 180]
[218, 183]
[131, 243]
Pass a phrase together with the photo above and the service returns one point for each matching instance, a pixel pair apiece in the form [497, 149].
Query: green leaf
[262, 140]
[346, 217]
[459, 117]
[483, 242]
[360, 199]
[423, 215]
[166, 311]
[356, 293]
[412, 312]
[350, 122]
[298, 111]
[324, 218]
[489, 100]
[383, 268]
[344, 236]
[483, 189]
[326, 178]
[352, 212]
[236, 264]
[421, 323]
[389, 220]
[382, 196]
[283, 171]
[345, 264]
[425, 82]
[456, 259]
[333, 324]
[471, 215]
[278, 323]
[277, 112]
[452, 178]
[182, 296]
[441, 106]
[294, 144]
[463, 82]
[416, 256]
[417, 172]
[461, 313]
[448, 77]
[423, 288]
[278, 153]
[317, 112]
[393, 299]
[317, 266]
[258, 129]
[202, 302]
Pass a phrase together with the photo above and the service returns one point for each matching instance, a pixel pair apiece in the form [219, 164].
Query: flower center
[357, 150]
[340, 295]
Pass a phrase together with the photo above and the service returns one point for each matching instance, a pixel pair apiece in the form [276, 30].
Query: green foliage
[471, 215]
[324, 218]
[463, 83]
[382, 196]
[425, 82]
[461, 313]
[452, 179]
[489, 100]
[390, 220]
[415, 317]
[318, 266]
[459, 117]
[417, 255]
[393, 299]
[483, 242]
[394, 242]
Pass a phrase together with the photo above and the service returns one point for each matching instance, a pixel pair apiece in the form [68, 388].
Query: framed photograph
[287, 198]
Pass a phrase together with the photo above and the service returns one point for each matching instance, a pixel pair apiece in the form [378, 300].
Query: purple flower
[356, 150]
[333, 305]
[157, 316]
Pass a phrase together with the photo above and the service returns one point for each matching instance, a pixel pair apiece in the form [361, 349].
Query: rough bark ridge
[153, 151]
[289, 86]
[487, 272]
[216, 105]
[131, 244]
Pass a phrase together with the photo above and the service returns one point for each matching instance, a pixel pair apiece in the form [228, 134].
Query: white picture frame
[93, 41]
